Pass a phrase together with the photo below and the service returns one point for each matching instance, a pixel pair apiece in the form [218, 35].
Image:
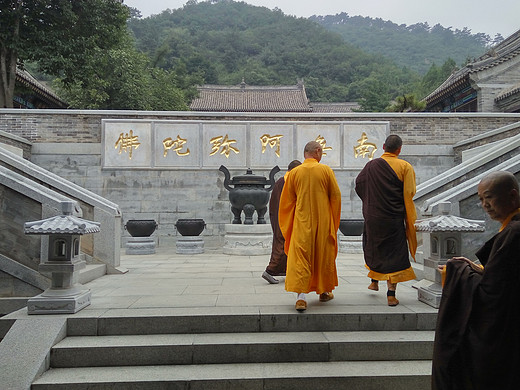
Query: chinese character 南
[127, 142]
[224, 143]
[323, 143]
[175, 145]
[272, 141]
[364, 148]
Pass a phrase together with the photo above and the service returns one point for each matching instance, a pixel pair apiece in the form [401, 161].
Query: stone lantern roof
[449, 223]
[61, 224]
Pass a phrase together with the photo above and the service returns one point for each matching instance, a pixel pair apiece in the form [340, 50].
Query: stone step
[92, 272]
[266, 347]
[362, 375]
[248, 320]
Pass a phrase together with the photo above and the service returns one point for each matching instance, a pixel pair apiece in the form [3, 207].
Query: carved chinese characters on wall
[189, 144]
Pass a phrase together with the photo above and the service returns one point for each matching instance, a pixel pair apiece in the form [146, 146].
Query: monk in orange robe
[309, 214]
[386, 185]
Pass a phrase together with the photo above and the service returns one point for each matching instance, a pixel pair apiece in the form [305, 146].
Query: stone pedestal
[140, 246]
[429, 293]
[189, 245]
[66, 301]
[350, 244]
[247, 240]
[66, 295]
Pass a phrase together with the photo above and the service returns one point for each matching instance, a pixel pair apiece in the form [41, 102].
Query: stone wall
[69, 144]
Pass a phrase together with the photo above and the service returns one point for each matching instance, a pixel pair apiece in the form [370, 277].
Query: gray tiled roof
[62, 224]
[25, 78]
[504, 51]
[246, 98]
[513, 90]
[335, 107]
[449, 223]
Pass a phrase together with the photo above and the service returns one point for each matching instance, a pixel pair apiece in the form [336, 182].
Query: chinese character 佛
[175, 145]
[272, 141]
[323, 143]
[364, 148]
[225, 144]
[127, 142]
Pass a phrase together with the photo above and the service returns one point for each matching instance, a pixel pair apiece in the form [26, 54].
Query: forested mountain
[339, 58]
[417, 46]
[228, 41]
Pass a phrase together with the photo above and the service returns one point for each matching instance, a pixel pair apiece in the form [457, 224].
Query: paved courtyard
[216, 282]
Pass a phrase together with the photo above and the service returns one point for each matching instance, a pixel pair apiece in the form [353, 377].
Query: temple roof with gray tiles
[62, 224]
[24, 78]
[504, 51]
[335, 107]
[449, 223]
[246, 98]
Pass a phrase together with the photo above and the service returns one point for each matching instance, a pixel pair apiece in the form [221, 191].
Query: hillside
[417, 46]
[228, 41]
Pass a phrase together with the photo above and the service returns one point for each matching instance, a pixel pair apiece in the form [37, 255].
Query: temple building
[248, 98]
[30, 93]
[490, 83]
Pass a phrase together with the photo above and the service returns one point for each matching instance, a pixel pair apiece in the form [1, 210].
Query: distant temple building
[247, 98]
[30, 93]
[489, 84]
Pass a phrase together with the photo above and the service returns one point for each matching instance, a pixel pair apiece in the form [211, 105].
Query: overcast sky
[480, 16]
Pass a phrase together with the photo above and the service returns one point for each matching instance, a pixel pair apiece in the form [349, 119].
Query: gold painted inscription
[175, 145]
[127, 143]
[224, 143]
[364, 149]
[272, 141]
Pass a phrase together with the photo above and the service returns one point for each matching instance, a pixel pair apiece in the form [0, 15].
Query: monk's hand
[474, 266]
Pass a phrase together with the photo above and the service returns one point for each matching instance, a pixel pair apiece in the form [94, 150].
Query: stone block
[190, 245]
[247, 240]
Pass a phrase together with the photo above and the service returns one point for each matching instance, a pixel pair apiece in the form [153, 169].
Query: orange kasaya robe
[309, 214]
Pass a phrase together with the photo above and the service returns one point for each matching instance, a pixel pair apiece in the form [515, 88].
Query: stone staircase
[320, 350]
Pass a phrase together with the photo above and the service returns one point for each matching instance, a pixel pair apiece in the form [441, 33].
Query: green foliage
[407, 103]
[124, 80]
[417, 46]
[60, 36]
[226, 42]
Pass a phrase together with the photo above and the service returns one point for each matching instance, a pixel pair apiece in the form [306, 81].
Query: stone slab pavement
[218, 282]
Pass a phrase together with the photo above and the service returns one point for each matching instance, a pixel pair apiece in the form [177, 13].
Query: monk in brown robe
[310, 208]
[386, 185]
[477, 340]
[278, 261]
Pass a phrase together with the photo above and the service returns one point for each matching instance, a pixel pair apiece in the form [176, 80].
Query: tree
[407, 103]
[124, 79]
[59, 35]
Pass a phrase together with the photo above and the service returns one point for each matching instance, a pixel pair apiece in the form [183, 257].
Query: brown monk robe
[386, 185]
[278, 261]
[477, 339]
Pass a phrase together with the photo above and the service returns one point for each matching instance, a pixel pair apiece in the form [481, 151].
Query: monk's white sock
[301, 296]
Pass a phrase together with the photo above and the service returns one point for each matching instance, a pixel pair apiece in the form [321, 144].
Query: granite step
[266, 347]
[247, 320]
[354, 375]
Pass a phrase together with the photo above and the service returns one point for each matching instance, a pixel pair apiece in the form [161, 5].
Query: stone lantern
[442, 241]
[66, 295]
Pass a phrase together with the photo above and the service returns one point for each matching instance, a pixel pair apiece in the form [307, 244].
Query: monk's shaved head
[501, 181]
[294, 164]
[499, 195]
[311, 147]
[313, 150]
[393, 143]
